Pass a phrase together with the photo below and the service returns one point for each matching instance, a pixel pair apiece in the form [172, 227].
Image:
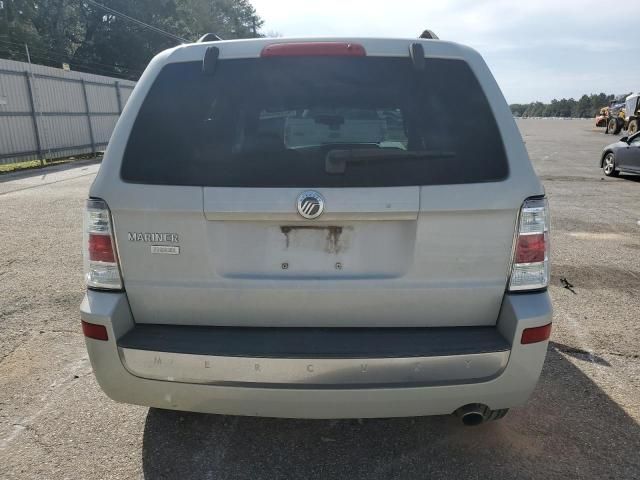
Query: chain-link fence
[48, 113]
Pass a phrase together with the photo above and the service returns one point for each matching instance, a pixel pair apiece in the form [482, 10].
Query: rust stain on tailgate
[334, 240]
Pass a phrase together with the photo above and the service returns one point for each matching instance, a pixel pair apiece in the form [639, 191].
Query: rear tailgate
[446, 266]
[219, 163]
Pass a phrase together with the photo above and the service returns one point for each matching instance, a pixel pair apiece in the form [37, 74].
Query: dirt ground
[581, 422]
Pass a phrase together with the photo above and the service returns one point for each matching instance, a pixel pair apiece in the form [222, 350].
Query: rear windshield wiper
[337, 159]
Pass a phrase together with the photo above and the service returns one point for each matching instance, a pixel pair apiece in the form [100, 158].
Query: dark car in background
[622, 156]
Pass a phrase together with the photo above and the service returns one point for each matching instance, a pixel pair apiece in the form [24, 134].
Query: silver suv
[318, 228]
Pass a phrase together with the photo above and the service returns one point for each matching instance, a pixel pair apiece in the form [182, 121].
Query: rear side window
[315, 122]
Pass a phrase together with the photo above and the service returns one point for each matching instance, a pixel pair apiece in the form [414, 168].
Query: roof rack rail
[428, 34]
[209, 37]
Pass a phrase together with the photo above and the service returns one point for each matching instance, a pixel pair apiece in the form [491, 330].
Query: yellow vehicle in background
[601, 118]
[620, 115]
[609, 115]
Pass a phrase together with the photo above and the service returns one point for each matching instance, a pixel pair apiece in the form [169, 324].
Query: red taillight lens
[100, 257]
[530, 268]
[530, 248]
[314, 49]
[97, 332]
[100, 248]
[536, 334]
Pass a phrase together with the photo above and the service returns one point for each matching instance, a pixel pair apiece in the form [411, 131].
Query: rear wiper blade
[337, 159]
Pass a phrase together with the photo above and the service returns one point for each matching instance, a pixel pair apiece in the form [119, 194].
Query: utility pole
[35, 105]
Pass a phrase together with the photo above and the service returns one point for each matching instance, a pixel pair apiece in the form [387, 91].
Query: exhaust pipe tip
[472, 419]
[473, 414]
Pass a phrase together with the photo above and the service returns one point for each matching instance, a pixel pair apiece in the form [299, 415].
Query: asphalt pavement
[581, 422]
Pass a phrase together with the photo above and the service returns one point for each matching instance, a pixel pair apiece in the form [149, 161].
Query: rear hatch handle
[340, 204]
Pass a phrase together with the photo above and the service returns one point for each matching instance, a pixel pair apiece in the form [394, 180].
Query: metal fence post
[86, 105]
[34, 119]
[118, 96]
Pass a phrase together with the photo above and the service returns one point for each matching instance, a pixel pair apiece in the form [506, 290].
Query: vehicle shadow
[580, 354]
[569, 429]
[630, 176]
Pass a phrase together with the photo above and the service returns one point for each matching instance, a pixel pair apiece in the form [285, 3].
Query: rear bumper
[339, 387]
[339, 358]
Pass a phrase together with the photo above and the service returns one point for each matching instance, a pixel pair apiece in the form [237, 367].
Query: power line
[136, 21]
[64, 56]
[98, 70]
[112, 70]
[61, 54]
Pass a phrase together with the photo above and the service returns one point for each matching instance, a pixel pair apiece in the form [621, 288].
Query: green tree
[518, 109]
[586, 107]
[45, 25]
[583, 108]
[92, 39]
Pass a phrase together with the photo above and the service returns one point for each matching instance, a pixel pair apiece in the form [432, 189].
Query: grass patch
[11, 167]
[31, 164]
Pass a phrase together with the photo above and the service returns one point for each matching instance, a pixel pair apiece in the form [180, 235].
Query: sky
[537, 50]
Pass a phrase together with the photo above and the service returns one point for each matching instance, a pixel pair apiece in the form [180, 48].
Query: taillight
[530, 270]
[314, 49]
[101, 266]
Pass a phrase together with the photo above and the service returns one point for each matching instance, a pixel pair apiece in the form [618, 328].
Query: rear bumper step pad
[314, 357]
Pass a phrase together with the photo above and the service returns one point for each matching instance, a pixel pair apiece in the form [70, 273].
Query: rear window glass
[315, 122]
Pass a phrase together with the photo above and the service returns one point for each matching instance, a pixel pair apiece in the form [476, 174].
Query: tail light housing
[530, 267]
[101, 265]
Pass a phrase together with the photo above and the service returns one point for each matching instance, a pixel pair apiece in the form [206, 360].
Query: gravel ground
[582, 421]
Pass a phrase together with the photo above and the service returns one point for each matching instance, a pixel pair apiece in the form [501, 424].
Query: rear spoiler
[211, 55]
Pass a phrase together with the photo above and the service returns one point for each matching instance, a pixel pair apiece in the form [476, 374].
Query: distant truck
[607, 115]
[632, 113]
[620, 116]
